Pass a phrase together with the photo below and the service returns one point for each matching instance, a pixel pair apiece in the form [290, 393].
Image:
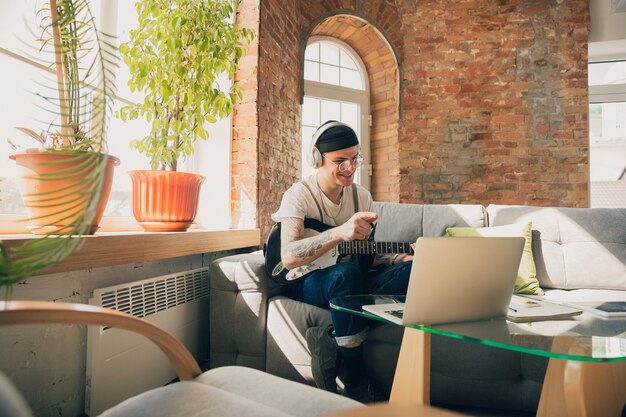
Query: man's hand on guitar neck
[358, 227]
[403, 257]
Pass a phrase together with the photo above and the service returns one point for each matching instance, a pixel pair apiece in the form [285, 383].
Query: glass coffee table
[586, 373]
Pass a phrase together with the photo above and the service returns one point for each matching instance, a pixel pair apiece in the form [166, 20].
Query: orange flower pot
[54, 202]
[165, 201]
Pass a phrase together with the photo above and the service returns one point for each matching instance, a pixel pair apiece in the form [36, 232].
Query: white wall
[607, 39]
[606, 25]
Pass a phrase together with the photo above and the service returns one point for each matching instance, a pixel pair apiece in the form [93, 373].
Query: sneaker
[324, 357]
[366, 391]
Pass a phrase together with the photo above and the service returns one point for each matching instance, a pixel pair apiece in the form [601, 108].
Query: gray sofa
[580, 254]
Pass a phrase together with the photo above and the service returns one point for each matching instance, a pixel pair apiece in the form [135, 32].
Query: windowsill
[117, 248]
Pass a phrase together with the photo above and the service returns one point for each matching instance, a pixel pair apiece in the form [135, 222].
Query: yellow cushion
[526, 282]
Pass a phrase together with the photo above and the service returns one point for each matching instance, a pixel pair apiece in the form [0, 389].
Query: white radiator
[121, 364]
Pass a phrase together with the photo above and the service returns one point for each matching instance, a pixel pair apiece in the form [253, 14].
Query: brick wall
[279, 105]
[478, 101]
[498, 112]
[245, 134]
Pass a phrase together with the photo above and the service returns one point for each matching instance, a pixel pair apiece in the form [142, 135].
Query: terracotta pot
[165, 201]
[47, 216]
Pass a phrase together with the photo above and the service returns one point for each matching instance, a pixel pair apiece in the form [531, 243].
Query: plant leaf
[39, 138]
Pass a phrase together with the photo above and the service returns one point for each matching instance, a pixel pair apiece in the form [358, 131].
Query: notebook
[533, 308]
[456, 279]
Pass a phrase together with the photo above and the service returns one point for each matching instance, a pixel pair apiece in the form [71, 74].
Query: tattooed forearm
[297, 250]
[308, 247]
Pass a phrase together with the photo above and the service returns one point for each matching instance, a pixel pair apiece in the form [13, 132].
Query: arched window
[335, 88]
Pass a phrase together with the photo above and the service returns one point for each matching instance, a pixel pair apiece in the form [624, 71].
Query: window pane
[607, 130]
[350, 115]
[307, 134]
[312, 52]
[311, 71]
[329, 74]
[120, 134]
[329, 53]
[331, 110]
[311, 112]
[607, 73]
[351, 79]
[127, 20]
[338, 66]
[347, 61]
[21, 107]
[17, 20]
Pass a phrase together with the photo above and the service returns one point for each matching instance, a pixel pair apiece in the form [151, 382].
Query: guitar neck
[368, 247]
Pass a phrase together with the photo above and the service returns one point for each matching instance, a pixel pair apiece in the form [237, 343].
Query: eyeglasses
[345, 165]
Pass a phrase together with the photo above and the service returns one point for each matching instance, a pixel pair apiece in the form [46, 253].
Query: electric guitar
[278, 273]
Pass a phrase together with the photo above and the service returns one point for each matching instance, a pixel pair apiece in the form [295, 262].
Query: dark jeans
[345, 278]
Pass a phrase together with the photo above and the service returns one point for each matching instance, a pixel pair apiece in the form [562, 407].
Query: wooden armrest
[33, 312]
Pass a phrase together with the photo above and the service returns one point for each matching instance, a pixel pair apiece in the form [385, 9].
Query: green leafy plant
[175, 57]
[83, 61]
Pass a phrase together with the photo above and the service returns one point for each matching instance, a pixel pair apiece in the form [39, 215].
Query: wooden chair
[228, 391]
[224, 392]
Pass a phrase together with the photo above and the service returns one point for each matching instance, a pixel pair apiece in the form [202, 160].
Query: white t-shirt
[298, 202]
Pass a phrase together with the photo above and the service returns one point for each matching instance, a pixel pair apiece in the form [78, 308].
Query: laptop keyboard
[395, 313]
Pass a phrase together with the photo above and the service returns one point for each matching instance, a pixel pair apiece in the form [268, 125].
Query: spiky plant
[83, 59]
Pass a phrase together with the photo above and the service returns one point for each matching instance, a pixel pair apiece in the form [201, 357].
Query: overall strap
[355, 197]
[314, 199]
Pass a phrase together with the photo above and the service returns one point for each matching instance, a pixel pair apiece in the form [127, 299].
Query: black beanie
[334, 135]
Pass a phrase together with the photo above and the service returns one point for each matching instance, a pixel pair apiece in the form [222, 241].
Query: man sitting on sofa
[331, 197]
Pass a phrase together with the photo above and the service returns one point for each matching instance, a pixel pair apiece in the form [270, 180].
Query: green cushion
[526, 282]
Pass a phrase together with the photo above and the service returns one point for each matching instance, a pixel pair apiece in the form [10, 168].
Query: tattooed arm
[296, 250]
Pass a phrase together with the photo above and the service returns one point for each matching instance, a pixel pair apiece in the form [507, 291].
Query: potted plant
[71, 168]
[66, 182]
[175, 57]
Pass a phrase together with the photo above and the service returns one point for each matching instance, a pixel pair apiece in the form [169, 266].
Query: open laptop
[455, 279]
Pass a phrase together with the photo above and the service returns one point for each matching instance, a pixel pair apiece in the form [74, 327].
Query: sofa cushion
[233, 391]
[281, 394]
[400, 222]
[188, 398]
[238, 306]
[526, 281]
[574, 248]
[287, 352]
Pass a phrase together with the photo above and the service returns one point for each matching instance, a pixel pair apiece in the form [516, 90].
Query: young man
[329, 196]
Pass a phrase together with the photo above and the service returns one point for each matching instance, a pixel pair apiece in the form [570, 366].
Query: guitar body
[279, 274]
[273, 263]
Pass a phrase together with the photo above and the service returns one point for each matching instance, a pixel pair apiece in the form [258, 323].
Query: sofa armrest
[238, 310]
